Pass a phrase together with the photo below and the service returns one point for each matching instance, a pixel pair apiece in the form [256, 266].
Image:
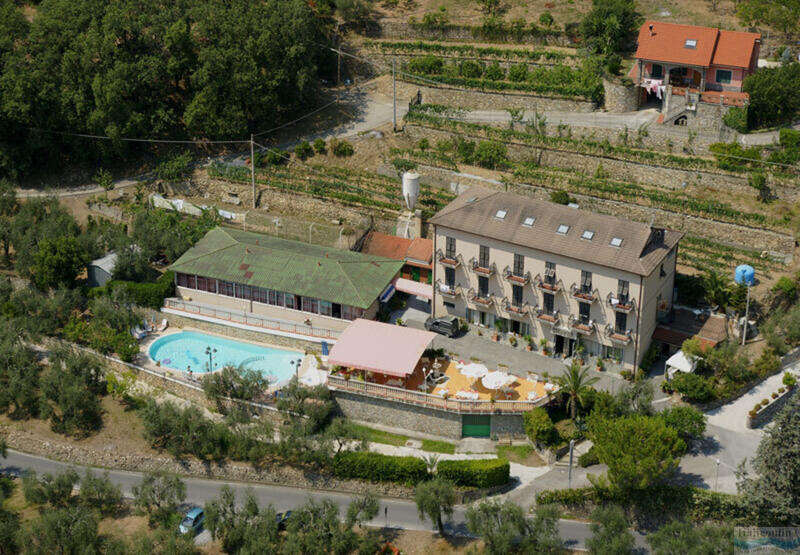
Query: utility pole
[746, 315]
[338, 56]
[253, 168]
[571, 452]
[394, 98]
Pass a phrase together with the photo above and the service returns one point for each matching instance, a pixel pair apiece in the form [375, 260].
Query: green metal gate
[476, 425]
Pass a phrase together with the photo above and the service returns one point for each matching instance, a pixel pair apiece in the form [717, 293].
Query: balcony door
[483, 286]
[450, 277]
[547, 303]
[516, 295]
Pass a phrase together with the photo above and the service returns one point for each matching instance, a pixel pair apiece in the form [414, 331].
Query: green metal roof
[334, 275]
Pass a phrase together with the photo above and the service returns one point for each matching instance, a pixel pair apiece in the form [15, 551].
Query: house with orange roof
[703, 59]
[417, 254]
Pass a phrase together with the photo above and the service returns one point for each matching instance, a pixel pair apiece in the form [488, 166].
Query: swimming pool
[187, 350]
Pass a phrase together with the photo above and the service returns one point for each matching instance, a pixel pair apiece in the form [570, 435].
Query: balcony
[581, 326]
[518, 309]
[448, 261]
[549, 283]
[549, 318]
[482, 269]
[622, 337]
[516, 279]
[448, 291]
[480, 298]
[621, 304]
[583, 294]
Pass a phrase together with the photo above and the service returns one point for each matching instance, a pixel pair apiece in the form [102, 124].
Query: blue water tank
[745, 275]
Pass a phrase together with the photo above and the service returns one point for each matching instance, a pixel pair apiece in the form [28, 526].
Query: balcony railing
[580, 326]
[448, 291]
[584, 295]
[482, 269]
[622, 337]
[621, 305]
[516, 279]
[548, 283]
[338, 383]
[550, 318]
[480, 298]
[448, 261]
[510, 306]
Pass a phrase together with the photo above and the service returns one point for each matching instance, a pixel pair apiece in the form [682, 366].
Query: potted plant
[579, 353]
[600, 364]
[513, 341]
[543, 345]
[529, 341]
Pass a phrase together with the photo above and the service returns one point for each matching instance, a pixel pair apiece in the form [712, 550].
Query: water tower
[745, 275]
[410, 189]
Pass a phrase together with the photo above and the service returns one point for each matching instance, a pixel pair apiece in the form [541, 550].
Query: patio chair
[163, 325]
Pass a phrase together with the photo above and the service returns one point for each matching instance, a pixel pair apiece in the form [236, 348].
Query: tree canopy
[143, 68]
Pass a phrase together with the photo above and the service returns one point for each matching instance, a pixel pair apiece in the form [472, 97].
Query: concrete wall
[398, 415]
[501, 100]
[568, 271]
[504, 424]
[766, 414]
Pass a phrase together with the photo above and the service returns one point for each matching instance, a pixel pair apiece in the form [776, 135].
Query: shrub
[789, 379]
[752, 413]
[428, 65]
[539, 426]
[424, 144]
[470, 68]
[379, 468]
[518, 73]
[150, 295]
[789, 138]
[494, 72]
[689, 422]
[561, 197]
[402, 165]
[319, 145]
[589, 458]
[764, 402]
[736, 119]
[272, 157]
[774, 395]
[575, 497]
[341, 148]
[303, 150]
[694, 388]
[781, 389]
[479, 473]
[491, 154]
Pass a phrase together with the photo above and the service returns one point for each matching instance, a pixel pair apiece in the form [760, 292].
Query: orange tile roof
[399, 248]
[714, 47]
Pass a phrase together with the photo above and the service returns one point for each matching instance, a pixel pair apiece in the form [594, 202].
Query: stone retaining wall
[395, 29]
[619, 98]
[767, 413]
[475, 99]
[505, 424]
[403, 57]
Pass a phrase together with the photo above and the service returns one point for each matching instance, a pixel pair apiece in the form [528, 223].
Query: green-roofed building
[267, 277]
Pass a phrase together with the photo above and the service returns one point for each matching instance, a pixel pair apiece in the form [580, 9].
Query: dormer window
[528, 222]
[562, 229]
[587, 234]
[690, 43]
[616, 242]
[501, 214]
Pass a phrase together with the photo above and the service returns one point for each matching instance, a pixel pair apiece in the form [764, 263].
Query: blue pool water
[187, 349]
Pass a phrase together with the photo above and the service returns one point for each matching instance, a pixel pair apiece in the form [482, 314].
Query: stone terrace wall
[619, 98]
[403, 57]
[398, 415]
[396, 29]
[501, 100]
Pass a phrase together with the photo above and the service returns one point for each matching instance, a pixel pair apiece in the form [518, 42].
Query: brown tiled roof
[714, 47]
[711, 330]
[475, 211]
[399, 248]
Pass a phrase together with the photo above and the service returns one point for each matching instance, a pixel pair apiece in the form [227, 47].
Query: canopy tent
[679, 362]
[414, 288]
[379, 347]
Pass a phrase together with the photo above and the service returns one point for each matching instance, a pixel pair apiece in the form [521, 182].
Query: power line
[298, 119]
[134, 140]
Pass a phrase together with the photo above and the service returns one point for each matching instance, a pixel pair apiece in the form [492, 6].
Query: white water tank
[410, 189]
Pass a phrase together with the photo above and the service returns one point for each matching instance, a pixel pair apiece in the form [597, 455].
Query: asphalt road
[394, 513]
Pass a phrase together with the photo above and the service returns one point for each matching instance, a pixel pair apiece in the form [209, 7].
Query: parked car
[282, 519]
[445, 325]
[192, 523]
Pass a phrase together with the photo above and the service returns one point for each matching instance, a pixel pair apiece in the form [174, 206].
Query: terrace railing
[418, 398]
[249, 319]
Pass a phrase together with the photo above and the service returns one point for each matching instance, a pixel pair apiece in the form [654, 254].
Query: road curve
[394, 513]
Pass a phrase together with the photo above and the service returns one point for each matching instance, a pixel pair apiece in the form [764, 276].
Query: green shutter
[476, 425]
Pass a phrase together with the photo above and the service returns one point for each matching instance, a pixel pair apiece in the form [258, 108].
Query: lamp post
[571, 452]
[210, 353]
[297, 367]
[716, 476]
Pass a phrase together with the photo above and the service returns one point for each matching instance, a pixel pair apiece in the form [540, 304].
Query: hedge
[379, 468]
[150, 295]
[478, 473]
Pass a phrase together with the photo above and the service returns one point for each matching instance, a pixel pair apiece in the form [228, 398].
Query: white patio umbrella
[496, 380]
[474, 370]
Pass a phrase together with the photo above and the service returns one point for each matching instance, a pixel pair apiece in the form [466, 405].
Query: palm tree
[575, 383]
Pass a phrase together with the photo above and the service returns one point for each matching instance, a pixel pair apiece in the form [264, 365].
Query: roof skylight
[690, 43]
[501, 214]
[588, 234]
[616, 242]
[563, 229]
[528, 222]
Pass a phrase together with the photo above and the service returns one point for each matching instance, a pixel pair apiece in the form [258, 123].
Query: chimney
[651, 29]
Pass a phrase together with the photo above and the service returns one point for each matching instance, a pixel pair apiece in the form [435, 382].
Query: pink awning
[414, 288]
[378, 347]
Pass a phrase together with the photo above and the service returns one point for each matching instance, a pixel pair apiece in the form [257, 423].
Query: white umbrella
[496, 380]
[474, 370]
[313, 378]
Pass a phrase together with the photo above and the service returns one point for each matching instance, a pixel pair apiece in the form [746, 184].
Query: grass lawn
[438, 446]
[376, 436]
[521, 454]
